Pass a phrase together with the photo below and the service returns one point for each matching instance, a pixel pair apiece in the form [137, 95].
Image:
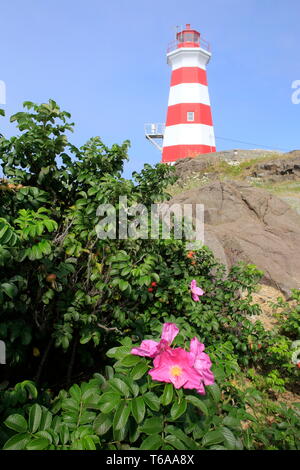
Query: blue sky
[105, 62]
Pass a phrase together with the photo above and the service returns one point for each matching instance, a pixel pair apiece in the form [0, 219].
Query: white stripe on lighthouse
[189, 134]
[188, 93]
[188, 57]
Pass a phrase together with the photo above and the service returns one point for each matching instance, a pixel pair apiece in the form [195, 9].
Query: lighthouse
[189, 128]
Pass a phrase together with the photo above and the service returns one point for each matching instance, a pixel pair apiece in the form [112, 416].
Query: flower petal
[196, 347]
[169, 332]
[198, 291]
[148, 348]
[195, 297]
[201, 361]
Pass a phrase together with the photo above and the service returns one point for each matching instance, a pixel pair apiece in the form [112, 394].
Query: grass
[288, 188]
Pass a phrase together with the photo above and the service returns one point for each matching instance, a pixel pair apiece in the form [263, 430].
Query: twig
[108, 329]
[61, 237]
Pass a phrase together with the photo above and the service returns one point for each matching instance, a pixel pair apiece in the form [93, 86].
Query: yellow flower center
[176, 371]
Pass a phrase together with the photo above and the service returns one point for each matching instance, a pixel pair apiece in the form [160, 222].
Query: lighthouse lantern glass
[188, 38]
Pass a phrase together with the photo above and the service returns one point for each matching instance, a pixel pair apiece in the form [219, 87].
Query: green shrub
[67, 297]
[125, 409]
[65, 292]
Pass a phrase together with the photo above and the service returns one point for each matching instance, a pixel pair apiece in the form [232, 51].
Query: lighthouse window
[190, 116]
[189, 37]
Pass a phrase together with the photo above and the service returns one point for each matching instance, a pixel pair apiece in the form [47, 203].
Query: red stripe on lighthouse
[188, 75]
[177, 114]
[189, 128]
[175, 152]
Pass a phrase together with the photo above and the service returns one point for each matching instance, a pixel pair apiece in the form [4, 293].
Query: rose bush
[67, 297]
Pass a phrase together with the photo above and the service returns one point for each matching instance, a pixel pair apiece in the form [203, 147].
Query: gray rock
[282, 169]
[244, 223]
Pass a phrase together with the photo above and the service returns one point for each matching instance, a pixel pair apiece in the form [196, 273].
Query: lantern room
[188, 37]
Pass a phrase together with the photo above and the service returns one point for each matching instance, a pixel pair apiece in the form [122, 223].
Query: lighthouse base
[173, 153]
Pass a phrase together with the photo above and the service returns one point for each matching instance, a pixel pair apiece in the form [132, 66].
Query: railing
[154, 130]
[202, 43]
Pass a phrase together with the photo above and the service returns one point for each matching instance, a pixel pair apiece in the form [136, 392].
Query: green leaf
[198, 403]
[9, 289]
[125, 271]
[232, 422]
[120, 434]
[45, 435]
[175, 442]
[16, 422]
[102, 424]
[64, 434]
[46, 419]
[77, 445]
[229, 438]
[214, 392]
[167, 395]
[121, 415]
[119, 352]
[189, 443]
[217, 447]
[133, 387]
[109, 401]
[139, 370]
[129, 361]
[212, 437]
[123, 284]
[153, 442]
[17, 442]
[69, 405]
[7, 234]
[152, 401]
[38, 444]
[75, 392]
[119, 386]
[178, 408]
[152, 425]
[138, 409]
[88, 443]
[35, 415]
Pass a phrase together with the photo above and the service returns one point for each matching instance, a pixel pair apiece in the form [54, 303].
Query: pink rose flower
[150, 348]
[174, 366]
[202, 363]
[195, 291]
[189, 370]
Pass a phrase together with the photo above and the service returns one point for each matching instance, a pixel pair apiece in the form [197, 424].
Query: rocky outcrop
[278, 170]
[189, 166]
[244, 223]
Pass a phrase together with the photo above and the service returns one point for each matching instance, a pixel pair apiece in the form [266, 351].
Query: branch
[108, 329]
[61, 237]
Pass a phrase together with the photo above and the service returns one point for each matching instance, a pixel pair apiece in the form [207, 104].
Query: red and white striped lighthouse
[189, 129]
